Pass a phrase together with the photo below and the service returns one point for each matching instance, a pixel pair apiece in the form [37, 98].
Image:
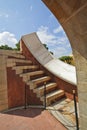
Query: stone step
[34, 83]
[26, 76]
[12, 53]
[40, 90]
[21, 69]
[9, 52]
[54, 95]
[42, 79]
[13, 62]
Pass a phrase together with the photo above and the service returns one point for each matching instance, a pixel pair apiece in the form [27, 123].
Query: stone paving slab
[29, 119]
[64, 112]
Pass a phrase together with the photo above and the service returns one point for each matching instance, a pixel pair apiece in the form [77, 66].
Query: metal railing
[44, 95]
[76, 113]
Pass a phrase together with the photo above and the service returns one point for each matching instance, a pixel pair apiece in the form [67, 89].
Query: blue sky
[20, 17]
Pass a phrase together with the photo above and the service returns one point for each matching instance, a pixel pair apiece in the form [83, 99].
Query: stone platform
[29, 119]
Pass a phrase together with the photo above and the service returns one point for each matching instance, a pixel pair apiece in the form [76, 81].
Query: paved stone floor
[29, 119]
[64, 112]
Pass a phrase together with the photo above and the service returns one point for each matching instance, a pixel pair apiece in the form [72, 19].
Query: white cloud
[50, 38]
[45, 36]
[8, 38]
[58, 44]
[60, 51]
[58, 30]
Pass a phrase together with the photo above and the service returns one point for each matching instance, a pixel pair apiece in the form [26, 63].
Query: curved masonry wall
[72, 15]
[56, 70]
[55, 66]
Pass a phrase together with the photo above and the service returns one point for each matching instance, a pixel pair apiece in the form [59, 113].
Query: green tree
[6, 47]
[17, 46]
[66, 59]
[45, 45]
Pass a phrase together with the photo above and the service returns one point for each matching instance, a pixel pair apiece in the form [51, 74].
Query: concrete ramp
[46, 59]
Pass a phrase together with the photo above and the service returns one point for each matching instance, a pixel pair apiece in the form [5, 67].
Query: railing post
[44, 95]
[76, 114]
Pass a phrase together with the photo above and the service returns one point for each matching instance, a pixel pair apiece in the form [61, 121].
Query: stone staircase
[34, 77]
[21, 73]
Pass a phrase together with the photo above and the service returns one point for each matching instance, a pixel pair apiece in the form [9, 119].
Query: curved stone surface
[72, 15]
[55, 66]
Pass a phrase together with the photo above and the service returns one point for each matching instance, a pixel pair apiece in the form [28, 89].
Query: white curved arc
[55, 66]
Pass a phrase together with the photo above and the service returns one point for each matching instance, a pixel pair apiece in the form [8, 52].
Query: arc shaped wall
[72, 15]
[46, 59]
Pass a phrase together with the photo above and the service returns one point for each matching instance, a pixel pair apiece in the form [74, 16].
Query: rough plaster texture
[3, 84]
[72, 15]
[3, 76]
